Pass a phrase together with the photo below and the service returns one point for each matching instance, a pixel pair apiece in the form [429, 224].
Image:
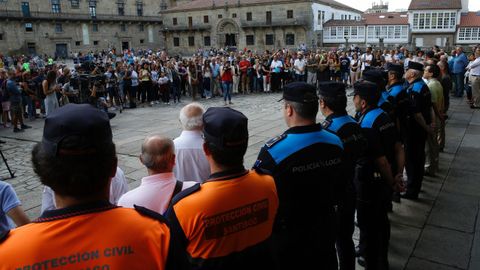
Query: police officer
[76, 159]
[374, 179]
[226, 222]
[395, 94]
[333, 103]
[418, 124]
[305, 162]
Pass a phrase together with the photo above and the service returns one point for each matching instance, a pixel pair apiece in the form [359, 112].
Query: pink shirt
[154, 192]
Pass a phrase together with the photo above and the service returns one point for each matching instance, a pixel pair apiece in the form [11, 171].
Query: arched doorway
[227, 31]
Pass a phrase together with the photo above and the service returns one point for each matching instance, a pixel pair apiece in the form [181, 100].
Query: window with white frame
[434, 20]
[387, 32]
[342, 32]
[470, 33]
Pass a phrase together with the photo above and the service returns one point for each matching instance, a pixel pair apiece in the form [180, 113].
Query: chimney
[464, 5]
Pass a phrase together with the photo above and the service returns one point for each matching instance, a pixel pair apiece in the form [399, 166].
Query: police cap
[88, 125]
[300, 92]
[225, 127]
[375, 75]
[331, 89]
[395, 68]
[415, 65]
[365, 89]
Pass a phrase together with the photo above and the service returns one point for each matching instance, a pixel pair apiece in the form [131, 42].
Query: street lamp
[346, 42]
[380, 43]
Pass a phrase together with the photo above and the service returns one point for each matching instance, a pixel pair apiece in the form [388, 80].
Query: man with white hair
[191, 164]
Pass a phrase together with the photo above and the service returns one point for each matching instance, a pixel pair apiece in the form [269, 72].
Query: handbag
[63, 100]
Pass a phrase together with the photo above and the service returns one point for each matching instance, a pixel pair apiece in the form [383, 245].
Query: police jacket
[92, 236]
[354, 143]
[226, 222]
[305, 162]
[381, 135]
[419, 101]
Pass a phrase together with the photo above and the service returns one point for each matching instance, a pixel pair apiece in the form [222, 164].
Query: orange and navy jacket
[226, 222]
[92, 236]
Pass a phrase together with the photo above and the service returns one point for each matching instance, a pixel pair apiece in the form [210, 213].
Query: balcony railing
[38, 15]
[185, 28]
[275, 23]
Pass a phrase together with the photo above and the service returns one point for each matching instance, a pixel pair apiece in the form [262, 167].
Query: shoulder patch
[184, 193]
[4, 235]
[150, 213]
[275, 140]
[326, 124]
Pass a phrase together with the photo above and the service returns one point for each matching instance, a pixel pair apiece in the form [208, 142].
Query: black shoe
[361, 261]
[2, 142]
[410, 196]
[358, 251]
[16, 130]
[26, 127]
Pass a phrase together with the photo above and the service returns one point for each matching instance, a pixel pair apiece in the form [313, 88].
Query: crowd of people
[200, 207]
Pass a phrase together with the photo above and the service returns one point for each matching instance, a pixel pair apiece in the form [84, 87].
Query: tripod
[12, 175]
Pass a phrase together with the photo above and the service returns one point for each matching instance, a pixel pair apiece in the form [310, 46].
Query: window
[77, 43]
[435, 20]
[142, 41]
[58, 28]
[95, 42]
[176, 42]
[234, 15]
[333, 32]
[220, 16]
[139, 5]
[95, 27]
[123, 27]
[56, 6]
[290, 39]
[141, 27]
[289, 14]
[249, 16]
[175, 21]
[321, 17]
[268, 17]
[75, 3]
[190, 21]
[191, 41]
[1, 36]
[205, 19]
[206, 41]
[28, 27]
[250, 39]
[269, 39]
[92, 8]
[121, 8]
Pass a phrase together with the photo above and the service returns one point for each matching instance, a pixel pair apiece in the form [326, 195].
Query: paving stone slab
[455, 211]
[402, 242]
[420, 264]
[475, 255]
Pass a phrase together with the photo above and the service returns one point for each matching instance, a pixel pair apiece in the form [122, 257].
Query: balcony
[186, 28]
[302, 21]
[48, 16]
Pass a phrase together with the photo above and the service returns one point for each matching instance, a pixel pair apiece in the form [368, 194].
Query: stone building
[59, 27]
[253, 24]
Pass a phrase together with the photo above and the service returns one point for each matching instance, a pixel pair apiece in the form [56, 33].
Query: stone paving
[439, 231]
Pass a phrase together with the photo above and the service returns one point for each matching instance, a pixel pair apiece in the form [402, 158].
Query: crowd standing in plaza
[200, 207]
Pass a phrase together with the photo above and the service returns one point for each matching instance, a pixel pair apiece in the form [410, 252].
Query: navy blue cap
[366, 89]
[331, 89]
[415, 65]
[225, 127]
[300, 92]
[375, 75]
[89, 125]
[396, 68]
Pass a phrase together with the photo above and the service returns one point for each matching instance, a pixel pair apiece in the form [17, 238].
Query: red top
[227, 76]
[244, 65]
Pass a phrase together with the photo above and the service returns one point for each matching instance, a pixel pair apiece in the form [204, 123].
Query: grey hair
[154, 156]
[191, 116]
[416, 73]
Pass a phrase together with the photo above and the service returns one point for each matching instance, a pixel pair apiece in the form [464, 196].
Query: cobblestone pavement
[439, 231]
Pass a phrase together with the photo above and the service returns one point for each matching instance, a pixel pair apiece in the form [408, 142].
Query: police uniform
[354, 143]
[419, 101]
[305, 162]
[226, 222]
[373, 192]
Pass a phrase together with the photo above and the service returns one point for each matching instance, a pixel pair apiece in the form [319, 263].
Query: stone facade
[42, 27]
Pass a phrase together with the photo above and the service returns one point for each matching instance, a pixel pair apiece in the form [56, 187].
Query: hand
[399, 185]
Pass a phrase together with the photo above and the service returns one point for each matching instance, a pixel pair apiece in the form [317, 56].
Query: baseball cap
[415, 65]
[300, 92]
[88, 125]
[225, 127]
[331, 89]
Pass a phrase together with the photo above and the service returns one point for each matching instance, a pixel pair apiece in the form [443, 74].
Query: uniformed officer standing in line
[226, 222]
[305, 162]
[418, 125]
[76, 159]
[333, 103]
[374, 177]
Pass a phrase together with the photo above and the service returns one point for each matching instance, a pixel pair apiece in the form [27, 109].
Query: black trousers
[275, 81]
[345, 229]
[372, 215]
[415, 160]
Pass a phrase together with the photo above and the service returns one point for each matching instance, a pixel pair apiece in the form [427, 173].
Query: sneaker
[26, 127]
[152, 103]
[16, 130]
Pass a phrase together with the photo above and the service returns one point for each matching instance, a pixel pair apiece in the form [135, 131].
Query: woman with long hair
[50, 89]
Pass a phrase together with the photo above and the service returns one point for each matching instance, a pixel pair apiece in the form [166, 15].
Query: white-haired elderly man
[191, 164]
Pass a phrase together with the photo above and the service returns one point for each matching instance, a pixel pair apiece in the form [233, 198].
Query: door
[61, 50]
[230, 40]
[125, 45]
[31, 48]
[26, 9]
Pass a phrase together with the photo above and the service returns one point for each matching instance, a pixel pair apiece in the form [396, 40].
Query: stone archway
[227, 33]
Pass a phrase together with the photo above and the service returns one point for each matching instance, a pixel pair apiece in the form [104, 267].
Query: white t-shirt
[365, 58]
[191, 164]
[276, 66]
[299, 66]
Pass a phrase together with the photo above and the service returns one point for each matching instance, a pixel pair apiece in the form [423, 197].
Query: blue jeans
[459, 83]
[27, 100]
[227, 88]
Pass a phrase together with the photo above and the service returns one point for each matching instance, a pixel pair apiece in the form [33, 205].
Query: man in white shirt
[191, 164]
[474, 68]
[367, 58]
[299, 66]
[158, 188]
[118, 187]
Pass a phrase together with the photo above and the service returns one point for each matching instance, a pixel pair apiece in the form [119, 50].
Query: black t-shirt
[344, 64]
